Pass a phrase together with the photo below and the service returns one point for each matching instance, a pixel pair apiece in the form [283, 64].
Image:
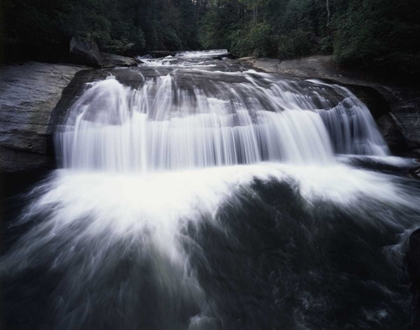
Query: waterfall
[196, 194]
[178, 121]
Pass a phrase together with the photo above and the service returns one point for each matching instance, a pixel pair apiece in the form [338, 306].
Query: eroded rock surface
[28, 95]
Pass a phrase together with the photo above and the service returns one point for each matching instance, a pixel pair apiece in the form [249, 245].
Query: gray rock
[112, 60]
[404, 103]
[28, 95]
[414, 173]
[84, 51]
[308, 67]
[247, 58]
[408, 121]
[413, 260]
[392, 134]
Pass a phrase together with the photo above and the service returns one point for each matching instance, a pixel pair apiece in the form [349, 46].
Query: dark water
[258, 244]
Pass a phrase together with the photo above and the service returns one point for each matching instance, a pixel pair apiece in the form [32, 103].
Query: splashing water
[208, 199]
[168, 124]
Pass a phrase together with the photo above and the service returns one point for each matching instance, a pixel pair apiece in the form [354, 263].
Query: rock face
[391, 133]
[405, 114]
[28, 95]
[415, 174]
[413, 260]
[409, 123]
[85, 52]
[112, 60]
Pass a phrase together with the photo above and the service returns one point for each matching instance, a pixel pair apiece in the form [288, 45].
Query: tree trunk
[328, 13]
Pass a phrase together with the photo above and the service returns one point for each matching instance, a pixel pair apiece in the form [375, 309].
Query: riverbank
[28, 95]
[397, 116]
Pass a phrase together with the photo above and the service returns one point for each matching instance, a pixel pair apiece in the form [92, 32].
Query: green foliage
[218, 25]
[256, 40]
[297, 43]
[326, 46]
[88, 19]
[373, 34]
[118, 26]
[277, 28]
[209, 33]
[381, 35]
[26, 22]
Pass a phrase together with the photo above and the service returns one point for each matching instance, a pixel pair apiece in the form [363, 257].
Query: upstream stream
[195, 193]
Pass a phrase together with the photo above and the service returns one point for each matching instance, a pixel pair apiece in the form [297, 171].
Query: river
[196, 193]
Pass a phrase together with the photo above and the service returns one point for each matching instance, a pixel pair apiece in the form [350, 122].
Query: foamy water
[167, 125]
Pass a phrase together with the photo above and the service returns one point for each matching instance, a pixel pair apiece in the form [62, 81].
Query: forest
[378, 35]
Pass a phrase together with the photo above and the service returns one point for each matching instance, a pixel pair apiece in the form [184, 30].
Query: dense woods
[375, 34]
[43, 28]
[378, 34]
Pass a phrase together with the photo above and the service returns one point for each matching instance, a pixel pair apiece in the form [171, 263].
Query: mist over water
[208, 196]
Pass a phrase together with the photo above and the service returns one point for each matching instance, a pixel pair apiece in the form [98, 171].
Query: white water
[201, 54]
[91, 220]
[167, 124]
[185, 59]
[123, 207]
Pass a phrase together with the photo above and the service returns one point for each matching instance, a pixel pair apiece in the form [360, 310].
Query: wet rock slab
[28, 95]
[112, 60]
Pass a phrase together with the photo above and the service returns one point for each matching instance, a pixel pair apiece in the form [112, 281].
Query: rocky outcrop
[397, 115]
[413, 260]
[392, 134]
[308, 67]
[85, 51]
[412, 263]
[112, 60]
[414, 173]
[28, 95]
[401, 128]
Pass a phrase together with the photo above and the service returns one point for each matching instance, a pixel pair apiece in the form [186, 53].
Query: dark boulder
[85, 51]
[415, 174]
[408, 121]
[413, 261]
[392, 135]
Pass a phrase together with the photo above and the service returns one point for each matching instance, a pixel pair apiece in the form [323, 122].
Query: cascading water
[179, 121]
[201, 195]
